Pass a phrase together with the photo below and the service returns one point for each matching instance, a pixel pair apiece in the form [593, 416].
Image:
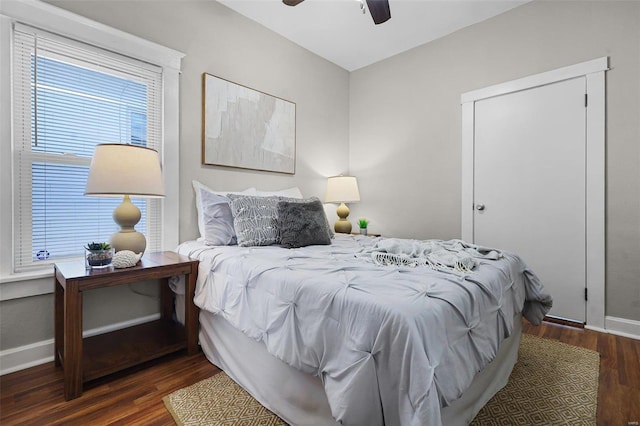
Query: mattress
[388, 344]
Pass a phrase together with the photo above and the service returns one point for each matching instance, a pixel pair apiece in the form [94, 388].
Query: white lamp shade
[118, 169]
[342, 189]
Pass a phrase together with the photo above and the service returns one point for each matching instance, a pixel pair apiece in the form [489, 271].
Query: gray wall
[406, 122]
[218, 41]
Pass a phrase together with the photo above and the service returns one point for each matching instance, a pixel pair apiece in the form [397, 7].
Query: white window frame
[65, 23]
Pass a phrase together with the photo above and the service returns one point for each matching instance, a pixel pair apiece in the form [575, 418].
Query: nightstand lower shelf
[107, 353]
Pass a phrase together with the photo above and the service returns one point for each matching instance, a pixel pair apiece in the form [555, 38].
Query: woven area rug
[217, 400]
[552, 384]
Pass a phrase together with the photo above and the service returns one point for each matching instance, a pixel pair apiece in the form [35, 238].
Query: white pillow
[218, 220]
[289, 193]
[211, 215]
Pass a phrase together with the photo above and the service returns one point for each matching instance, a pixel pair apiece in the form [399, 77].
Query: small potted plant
[98, 255]
[363, 226]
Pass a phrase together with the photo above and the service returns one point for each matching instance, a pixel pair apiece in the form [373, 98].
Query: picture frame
[246, 128]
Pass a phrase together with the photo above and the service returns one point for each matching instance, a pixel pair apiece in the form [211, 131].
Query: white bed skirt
[296, 397]
[299, 398]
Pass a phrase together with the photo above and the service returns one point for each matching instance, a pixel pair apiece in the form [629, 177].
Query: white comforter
[391, 344]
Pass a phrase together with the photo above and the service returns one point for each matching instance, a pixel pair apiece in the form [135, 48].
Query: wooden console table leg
[72, 341]
[191, 310]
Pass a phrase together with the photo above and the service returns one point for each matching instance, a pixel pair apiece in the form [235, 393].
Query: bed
[343, 329]
[328, 334]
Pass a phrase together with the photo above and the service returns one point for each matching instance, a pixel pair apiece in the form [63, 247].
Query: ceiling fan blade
[292, 2]
[379, 10]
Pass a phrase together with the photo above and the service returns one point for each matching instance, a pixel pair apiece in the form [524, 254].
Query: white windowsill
[27, 276]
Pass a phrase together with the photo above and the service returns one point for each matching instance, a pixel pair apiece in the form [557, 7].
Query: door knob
[480, 207]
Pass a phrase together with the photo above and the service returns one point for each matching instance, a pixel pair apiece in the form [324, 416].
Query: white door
[529, 185]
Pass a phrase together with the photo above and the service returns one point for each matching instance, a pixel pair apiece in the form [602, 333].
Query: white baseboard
[26, 356]
[22, 357]
[622, 327]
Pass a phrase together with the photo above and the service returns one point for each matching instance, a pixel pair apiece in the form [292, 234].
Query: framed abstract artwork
[246, 128]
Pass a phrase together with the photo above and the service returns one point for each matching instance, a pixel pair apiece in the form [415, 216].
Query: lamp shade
[119, 169]
[342, 189]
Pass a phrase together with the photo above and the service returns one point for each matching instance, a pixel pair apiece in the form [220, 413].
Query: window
[69, 97]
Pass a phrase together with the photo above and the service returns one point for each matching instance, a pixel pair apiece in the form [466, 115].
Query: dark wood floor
[134, 397]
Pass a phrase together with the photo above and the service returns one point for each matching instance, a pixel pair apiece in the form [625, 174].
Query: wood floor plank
[131, 397]
[608, 350]
[628, 365]
[134, 397]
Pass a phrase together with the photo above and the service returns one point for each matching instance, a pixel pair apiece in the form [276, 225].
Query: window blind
[69, 97]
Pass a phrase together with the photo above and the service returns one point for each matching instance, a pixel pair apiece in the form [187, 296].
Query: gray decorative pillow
[255, 219]
[307, 200]
[302, 223]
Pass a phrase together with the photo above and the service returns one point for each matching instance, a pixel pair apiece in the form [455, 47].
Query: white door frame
[593, 71]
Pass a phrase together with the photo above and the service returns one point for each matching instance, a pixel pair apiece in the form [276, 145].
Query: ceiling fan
[379, 9]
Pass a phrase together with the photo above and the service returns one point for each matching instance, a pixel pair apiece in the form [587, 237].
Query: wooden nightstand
[97, 356]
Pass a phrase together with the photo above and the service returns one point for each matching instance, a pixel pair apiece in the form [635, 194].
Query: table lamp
[122, 170]
[342, 189]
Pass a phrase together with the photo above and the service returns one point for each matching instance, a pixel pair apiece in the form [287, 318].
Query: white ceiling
[338, 31]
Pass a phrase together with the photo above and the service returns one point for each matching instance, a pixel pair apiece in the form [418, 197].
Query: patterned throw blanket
[454, 256]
